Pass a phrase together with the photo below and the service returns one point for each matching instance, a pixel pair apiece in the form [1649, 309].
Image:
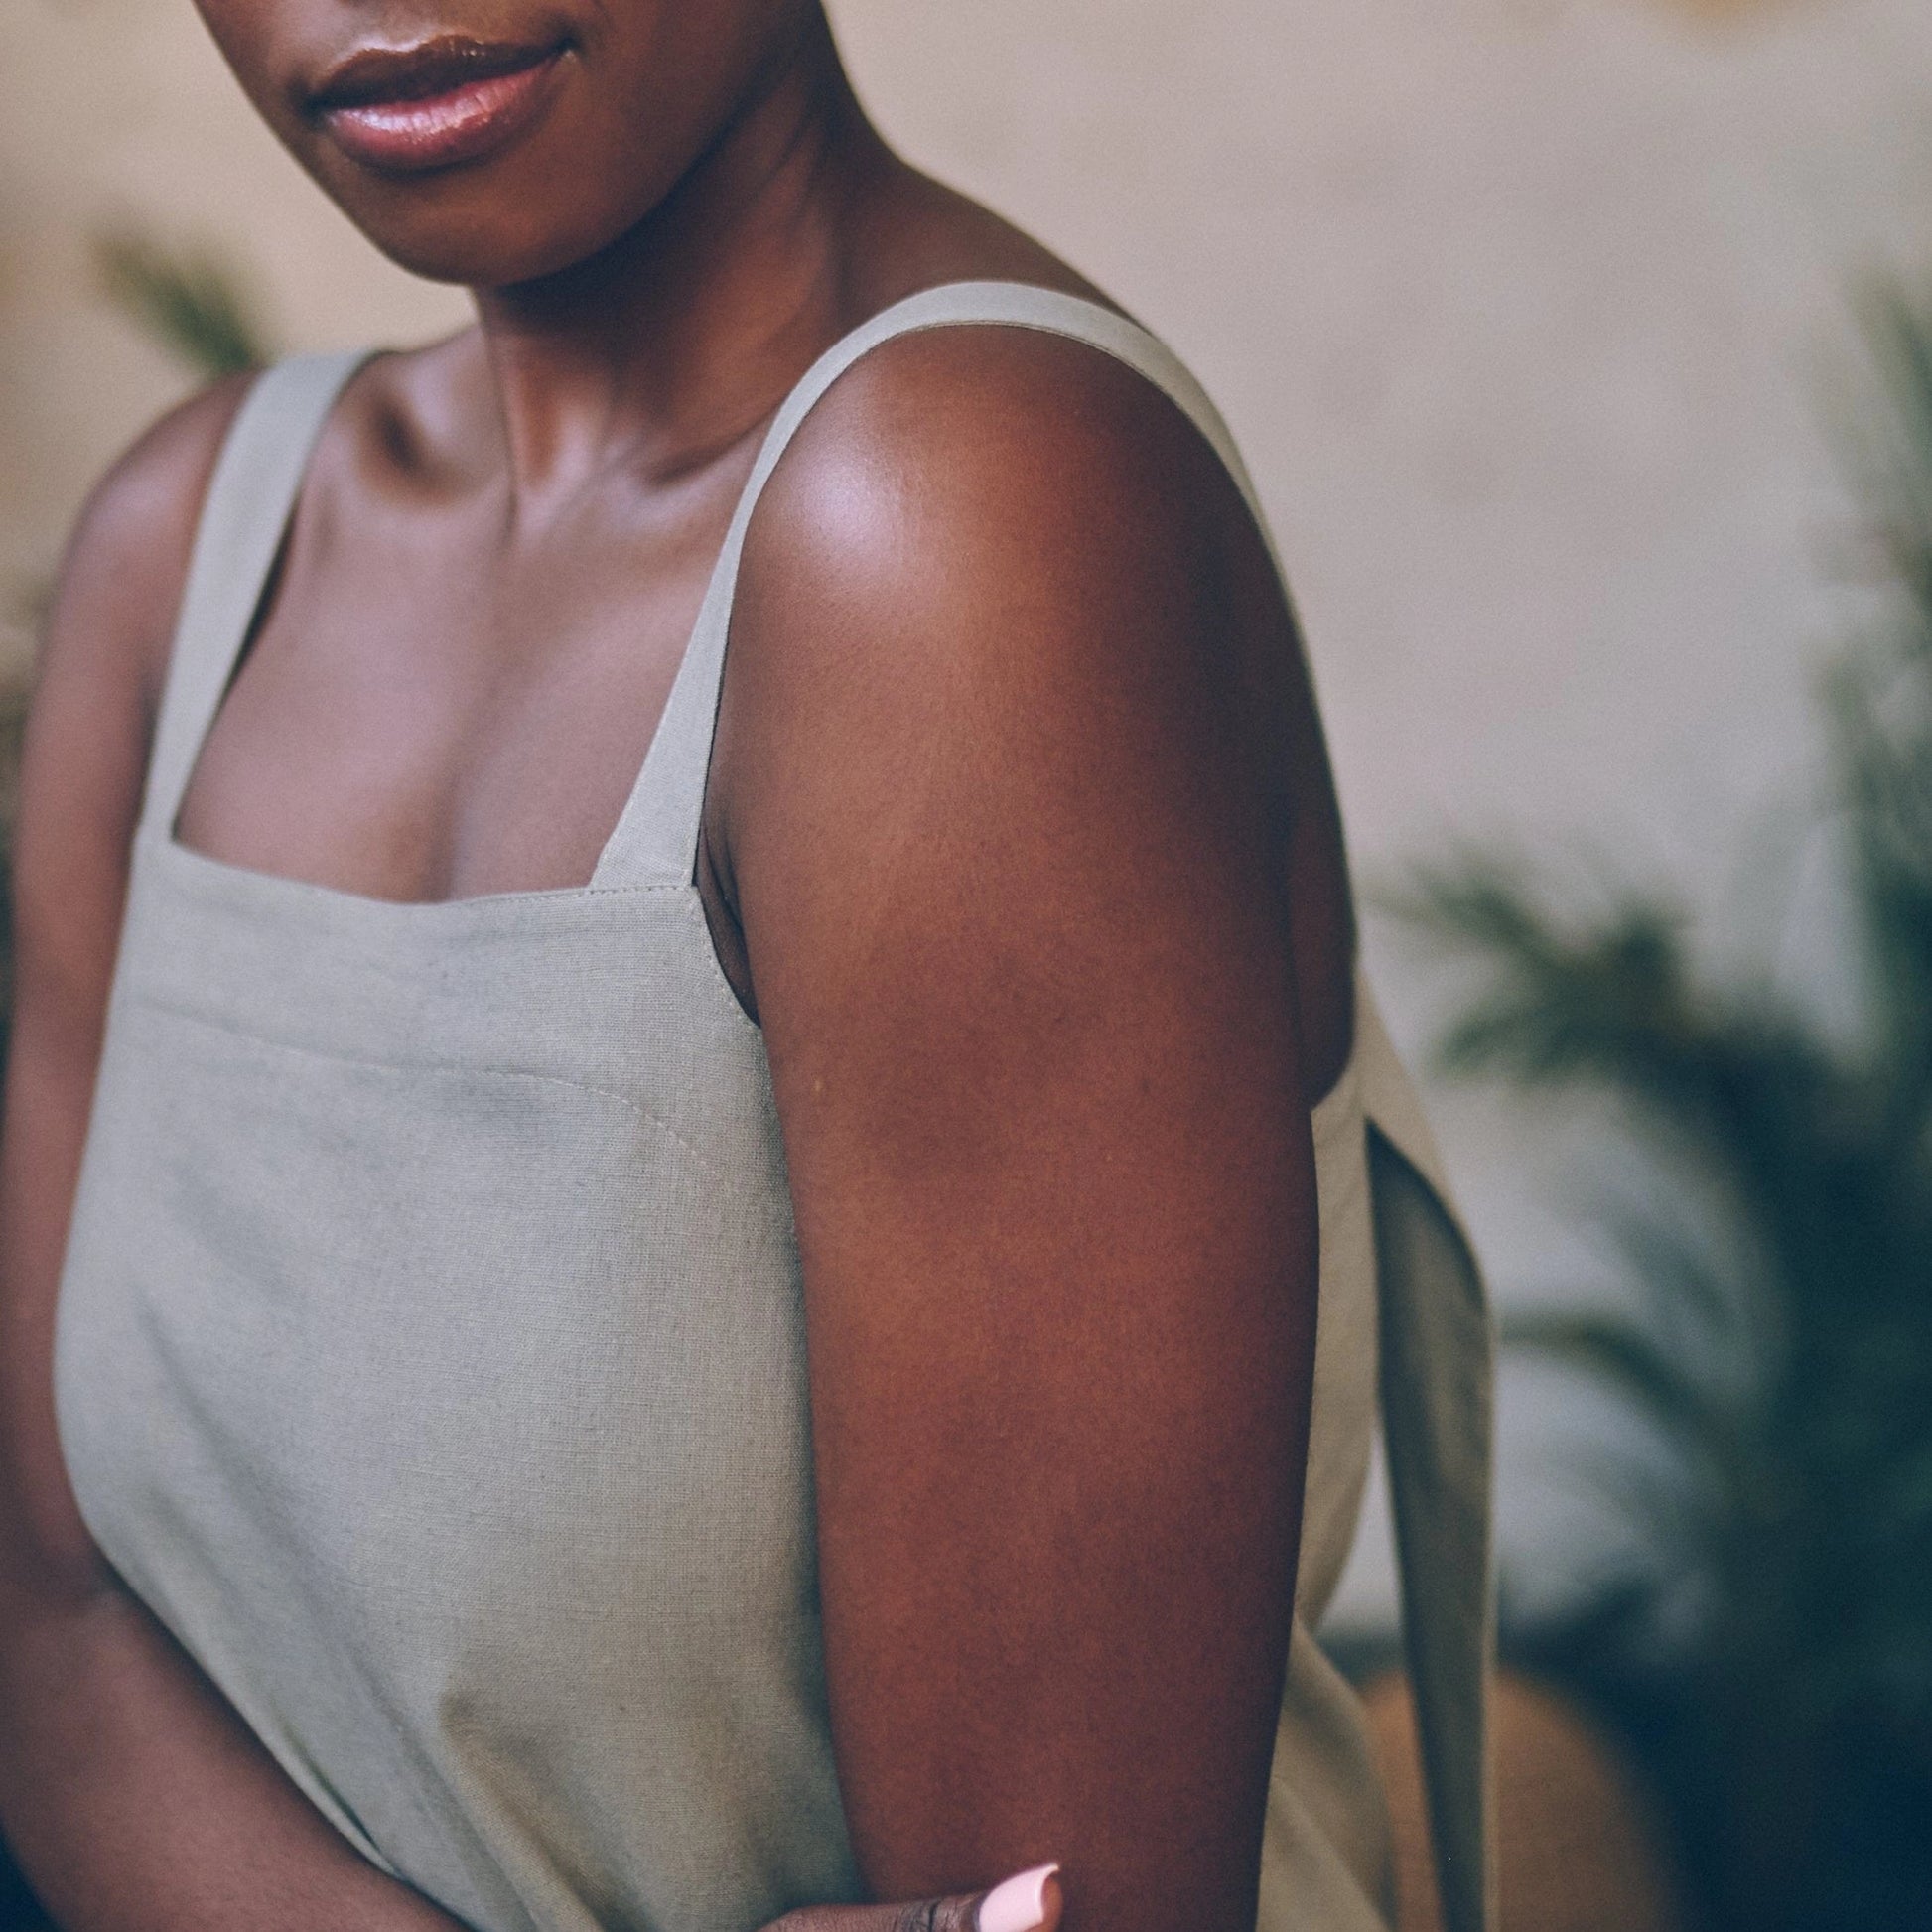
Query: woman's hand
[1026, 1902]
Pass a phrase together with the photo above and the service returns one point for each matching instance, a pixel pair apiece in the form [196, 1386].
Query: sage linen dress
[430, 1352]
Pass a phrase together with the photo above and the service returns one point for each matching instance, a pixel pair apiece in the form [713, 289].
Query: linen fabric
[430, 1352]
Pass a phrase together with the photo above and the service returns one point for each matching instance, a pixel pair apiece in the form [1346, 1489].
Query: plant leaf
[190, 305]
[1619, 1352]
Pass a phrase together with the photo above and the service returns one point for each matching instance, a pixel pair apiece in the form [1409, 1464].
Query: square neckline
[167, 835]
[979, 303]
[267, 527]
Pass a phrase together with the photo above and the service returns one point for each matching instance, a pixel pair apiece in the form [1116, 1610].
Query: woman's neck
[684, 335]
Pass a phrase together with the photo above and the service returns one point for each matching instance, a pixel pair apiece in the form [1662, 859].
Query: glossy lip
[434, 104]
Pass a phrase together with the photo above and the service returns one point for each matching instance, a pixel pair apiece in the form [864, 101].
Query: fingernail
[1018, 1904]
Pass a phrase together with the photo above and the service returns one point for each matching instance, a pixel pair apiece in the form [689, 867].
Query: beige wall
[1517, 306]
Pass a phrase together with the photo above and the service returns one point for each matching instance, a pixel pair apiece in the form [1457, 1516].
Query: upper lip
[373, 74]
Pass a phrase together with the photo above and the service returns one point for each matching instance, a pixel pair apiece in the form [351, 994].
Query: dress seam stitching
[376, 1064]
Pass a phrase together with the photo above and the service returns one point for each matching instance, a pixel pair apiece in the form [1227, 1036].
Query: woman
[515, 1030]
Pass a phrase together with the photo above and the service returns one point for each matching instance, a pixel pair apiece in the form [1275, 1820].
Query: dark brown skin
[1019, 843]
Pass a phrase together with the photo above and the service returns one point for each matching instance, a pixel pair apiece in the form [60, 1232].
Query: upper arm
[83, 768]
[1008, 829]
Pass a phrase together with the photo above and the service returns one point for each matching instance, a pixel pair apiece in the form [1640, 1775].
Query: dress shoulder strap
[243, 521]
[657, 836]
[1437, 1374]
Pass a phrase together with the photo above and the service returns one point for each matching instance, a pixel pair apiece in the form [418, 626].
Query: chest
[434, 705]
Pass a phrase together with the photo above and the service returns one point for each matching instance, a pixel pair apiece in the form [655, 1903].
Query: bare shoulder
[1022, 514]
[956, 408]
[97, 691]
[121, 579]
[1002, 611]
[962, 472]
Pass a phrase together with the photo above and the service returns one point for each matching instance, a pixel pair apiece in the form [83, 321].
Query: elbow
[53, 1577]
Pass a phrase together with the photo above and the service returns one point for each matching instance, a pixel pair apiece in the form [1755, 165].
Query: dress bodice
[430, 1355]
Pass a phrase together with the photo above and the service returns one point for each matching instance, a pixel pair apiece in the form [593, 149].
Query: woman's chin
[489, 224]
[484, 251]
[467, 261]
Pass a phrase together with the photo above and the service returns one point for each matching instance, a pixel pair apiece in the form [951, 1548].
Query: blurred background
[1582, 352]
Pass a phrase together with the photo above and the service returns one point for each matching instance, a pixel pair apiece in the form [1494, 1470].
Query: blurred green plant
[1771, 1663]
[190, 303]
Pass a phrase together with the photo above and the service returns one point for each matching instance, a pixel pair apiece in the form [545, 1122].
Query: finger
[1029, 1901]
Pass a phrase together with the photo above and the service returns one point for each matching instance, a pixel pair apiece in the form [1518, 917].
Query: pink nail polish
[1018, 1904]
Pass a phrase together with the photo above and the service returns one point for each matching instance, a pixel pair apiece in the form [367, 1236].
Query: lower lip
[439, 130]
